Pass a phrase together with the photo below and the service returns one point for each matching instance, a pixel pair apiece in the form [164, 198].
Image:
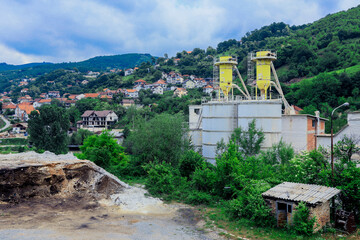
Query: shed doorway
[283, 213]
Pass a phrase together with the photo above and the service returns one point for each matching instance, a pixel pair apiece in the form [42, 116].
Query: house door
[283, 213]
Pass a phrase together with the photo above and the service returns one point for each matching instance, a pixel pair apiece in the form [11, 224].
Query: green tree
[104, 151]
[78, 137]
[48, 129]
[161, 139]
[248, 141]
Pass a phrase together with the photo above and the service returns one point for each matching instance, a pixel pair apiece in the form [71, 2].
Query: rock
[29, 175]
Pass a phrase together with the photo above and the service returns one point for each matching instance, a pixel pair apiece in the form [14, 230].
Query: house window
[313, 123]
[197, 111]
[289, 208]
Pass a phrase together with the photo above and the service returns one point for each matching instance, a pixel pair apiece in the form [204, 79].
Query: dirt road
[7, 123]
[80, 219]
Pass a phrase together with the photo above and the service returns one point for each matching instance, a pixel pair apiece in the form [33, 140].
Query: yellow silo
[226, 64]
[263, 61]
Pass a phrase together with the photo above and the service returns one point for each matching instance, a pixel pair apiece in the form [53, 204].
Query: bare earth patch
[69, 199]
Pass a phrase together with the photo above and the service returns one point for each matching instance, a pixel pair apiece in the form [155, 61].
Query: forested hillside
[101, 63]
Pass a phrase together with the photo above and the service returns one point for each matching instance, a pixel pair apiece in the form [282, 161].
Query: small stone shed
[284, 198]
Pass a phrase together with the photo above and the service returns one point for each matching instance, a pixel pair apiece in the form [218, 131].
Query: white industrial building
[351, 130]
[213, 121]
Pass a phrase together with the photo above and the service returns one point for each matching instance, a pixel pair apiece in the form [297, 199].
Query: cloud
[73, 30]
[10, 55]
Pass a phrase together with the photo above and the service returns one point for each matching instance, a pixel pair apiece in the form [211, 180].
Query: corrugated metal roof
[300, 192]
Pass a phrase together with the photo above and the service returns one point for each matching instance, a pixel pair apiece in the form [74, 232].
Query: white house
[208, 89]
[97, 119]
[129, 71]
[41, 102]
[158, 90]
[131, 93]
[189, 84]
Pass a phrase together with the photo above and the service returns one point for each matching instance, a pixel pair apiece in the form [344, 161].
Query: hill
[10, 75]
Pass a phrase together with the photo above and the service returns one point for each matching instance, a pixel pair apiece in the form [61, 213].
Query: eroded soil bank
[52, 197]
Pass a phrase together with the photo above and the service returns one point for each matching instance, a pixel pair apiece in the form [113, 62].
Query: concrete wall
[294, 131]
[195, 126]
[352, 129]
[219, 119]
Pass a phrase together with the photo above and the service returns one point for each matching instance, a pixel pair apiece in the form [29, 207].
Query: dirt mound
[29, 175]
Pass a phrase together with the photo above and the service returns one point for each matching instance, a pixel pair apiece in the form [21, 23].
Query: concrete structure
[213, 121]
[285, 197]
[301, 129]
[351, 130]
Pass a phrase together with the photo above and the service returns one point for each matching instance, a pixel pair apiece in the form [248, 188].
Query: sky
[75, 30]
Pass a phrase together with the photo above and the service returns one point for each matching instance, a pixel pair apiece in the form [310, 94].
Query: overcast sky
[75, 30]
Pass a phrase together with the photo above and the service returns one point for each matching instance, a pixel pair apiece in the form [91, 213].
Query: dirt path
[80, 219]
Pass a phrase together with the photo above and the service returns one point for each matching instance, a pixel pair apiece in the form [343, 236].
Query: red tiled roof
[91, 95]
[131, 90]
[9, 106]
[160, 82]
[44, 100]
[140, 81]
[26, 107]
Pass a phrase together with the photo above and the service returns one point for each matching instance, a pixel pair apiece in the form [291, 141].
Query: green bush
[280, 153]
[104, 151]
[251, 205]
[204, 178]
[162, 178]
[302, 223]
[197, 198]
[189, 161]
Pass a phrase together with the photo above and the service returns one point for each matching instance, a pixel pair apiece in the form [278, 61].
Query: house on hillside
[285, 197]
[8, 107]
[158, 90]
[131, 93]
[20, 128]
[54, 94]
[127, 102]
[189, 84]
[97, 119]
[23, 111]
[208, 89]
[179, 92]
[128, 72]
[41, 102]
[160, 83]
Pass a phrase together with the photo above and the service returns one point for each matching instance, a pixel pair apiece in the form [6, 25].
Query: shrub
[197, 197]
[162, 178]
[280, 153]
[104, 151]
[302, 222]
[189, 161]
[251, 205]
[204, 178]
